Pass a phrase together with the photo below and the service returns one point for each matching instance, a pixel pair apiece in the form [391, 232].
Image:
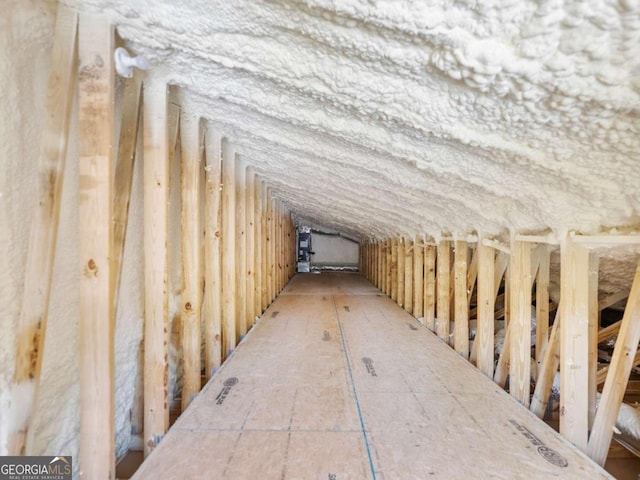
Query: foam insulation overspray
[442, 116]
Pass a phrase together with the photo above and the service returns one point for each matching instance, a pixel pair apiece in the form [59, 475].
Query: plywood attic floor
[338, 382]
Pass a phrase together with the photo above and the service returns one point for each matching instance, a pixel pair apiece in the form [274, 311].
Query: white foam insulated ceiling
[398, 117]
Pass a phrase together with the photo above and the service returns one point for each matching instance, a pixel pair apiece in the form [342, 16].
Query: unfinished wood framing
[542, 301]
[389, 268]
[156, 233]
[461, 305]
[430, 287]
[484, 341]
[44, 228]
[190, 170]
[251, 247]
[241, 249]
[574, 344]
[408, 275]
[259, 240]
[394, 269]
[96, 86]
[520, 321]
[594, 323]
[212, 261]
[228, 250]
[443, 305]
[418, 278]
[547, 370]
[400, 260]
[615, 385]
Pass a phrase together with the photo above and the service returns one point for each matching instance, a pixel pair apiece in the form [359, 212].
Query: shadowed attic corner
[481, 158]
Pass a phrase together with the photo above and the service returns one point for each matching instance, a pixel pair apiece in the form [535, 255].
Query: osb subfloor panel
[337, 382]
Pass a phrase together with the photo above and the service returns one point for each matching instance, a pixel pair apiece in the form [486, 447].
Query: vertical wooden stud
[594, 323]
[394, 269]
[461, 305]
[486, 309]
[443, 286]
[574, 343]
[96, 85]
[212, 250]
[430, 287]
[258, 246]
[190, 132]
[241, 249]
[418, 278]
[251, 247]
[520, 322]
[228, 249]
[400, 255]
[542, 302]
[408, 275]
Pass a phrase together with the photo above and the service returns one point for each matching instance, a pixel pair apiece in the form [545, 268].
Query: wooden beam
[574, 343]
[389, 267]
[229, 315]
[241, 249]
[401, 268]
[547, 370]
[605, 240]
[615, 385]
[44, 227]
[612, 299]
[430, 287]
[251, 247]
[443, 285]
[156, 233]
[190, 168]
[520, 322]
[96, 88]
[258, 183]
[486, 308]
[131, 116]
[418, 279]
[497, 245]
[408, 275]
[265, 246]
[472, 276]
[461, 305]
[542, 301]
[601, 375]
[394, 269]
[212, 250]
[594, 321]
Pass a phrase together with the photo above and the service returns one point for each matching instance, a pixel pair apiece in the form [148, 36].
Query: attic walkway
[338, 382]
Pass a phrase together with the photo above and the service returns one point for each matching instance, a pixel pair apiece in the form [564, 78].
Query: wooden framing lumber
[443, 287]
[394, 269]
[408, 275]
[156, 233]
[430, 287]
[190, 171]
[548, 369]
[128, 140]
[251, 247]
[615, 385]
[520, 322]
[542, 301]
[212, 250]
[605, 240]
[400, 260]
[44, 228]
[389, 267]
[259, 239]
[228, 250]
[461, 305]
[241, 249]
[612, 299]
[96, 90]
[472, 276]
[574, 344]
[418, 279]
[594, 323]
[484, 341]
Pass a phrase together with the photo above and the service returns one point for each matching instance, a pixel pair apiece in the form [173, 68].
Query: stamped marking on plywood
[346, 308]
[369, 364]
[274, 314]
[412, 326]
[545, 452]
[327, 336]
[227, 386]
[333, 476]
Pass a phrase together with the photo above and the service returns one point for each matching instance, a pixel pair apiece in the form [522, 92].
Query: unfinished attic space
[333, 239]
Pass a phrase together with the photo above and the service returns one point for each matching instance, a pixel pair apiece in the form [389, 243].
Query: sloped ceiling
[401, 117]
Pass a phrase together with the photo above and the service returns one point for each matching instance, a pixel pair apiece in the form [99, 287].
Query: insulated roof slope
[402, 117]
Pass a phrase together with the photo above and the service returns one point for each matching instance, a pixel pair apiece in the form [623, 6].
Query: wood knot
[187, 306]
